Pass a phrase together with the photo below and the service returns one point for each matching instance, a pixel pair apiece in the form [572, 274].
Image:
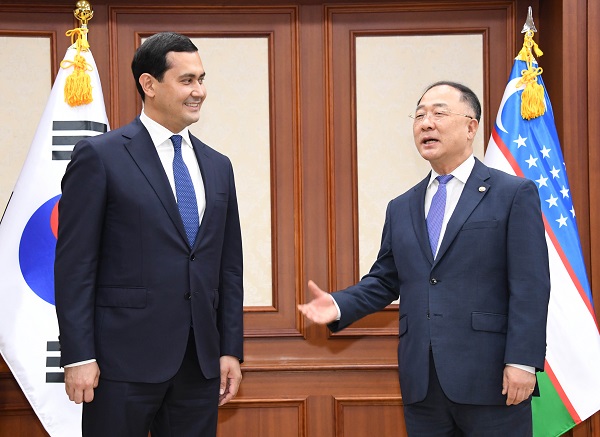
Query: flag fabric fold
[28, 326]
[570, 385]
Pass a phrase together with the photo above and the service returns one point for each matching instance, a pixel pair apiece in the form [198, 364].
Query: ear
[472, 127]
[147, 82]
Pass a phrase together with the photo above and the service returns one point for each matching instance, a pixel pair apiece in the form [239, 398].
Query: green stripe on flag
[550, 416]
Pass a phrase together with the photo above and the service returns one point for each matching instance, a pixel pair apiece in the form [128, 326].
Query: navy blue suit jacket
[128, 286]
[481, 304]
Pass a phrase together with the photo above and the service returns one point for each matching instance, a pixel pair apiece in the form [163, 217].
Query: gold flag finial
[83, 12]
[78, 86]
[532, 99]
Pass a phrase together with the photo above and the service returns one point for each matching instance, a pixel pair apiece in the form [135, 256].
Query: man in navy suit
[149, 309]
[473, 296]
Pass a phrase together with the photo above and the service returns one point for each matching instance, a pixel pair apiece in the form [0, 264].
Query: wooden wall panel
[494, 22]
[129, 25]
[266, 418]
[359, 417]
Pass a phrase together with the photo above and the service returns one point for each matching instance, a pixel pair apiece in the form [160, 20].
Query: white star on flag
[520, 142]
[545, 152]
[562, 221]
[552, 201]
[542, 181]
[531, 161]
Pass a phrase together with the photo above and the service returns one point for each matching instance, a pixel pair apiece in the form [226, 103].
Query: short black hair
[467, 95]
[151, 56]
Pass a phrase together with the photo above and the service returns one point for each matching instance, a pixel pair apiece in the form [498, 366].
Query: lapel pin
[481, 189]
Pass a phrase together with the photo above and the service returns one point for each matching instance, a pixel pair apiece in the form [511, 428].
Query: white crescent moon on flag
[511, 88]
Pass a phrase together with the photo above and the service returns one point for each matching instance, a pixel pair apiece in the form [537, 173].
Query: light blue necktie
[186, 196]
[435, 217]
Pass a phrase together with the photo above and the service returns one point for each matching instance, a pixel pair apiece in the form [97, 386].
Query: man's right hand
[321, 309]
[80, 382]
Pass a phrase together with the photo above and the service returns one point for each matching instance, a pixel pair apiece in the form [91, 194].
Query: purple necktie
[186, 196]
[435, 217]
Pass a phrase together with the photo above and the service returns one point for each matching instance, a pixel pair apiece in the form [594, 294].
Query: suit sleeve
[81, 212]
[230, 312]
[528, 280]
[376, 290]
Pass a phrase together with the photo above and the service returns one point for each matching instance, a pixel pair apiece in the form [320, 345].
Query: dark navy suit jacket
[128, 286]
[481, 304]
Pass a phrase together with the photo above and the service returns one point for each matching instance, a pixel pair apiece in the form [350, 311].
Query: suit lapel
[474, 191]
[208, 178]
[139, 145]
[417, 213]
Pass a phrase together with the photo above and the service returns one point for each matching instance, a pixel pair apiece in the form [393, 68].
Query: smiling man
[465, 252]
[148, 272]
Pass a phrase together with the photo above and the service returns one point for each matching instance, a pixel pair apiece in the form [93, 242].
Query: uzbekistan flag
[570, 385]
[28, 325]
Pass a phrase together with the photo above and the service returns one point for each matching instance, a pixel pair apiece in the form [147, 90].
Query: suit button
[192, 258]
[433, 281]
[187, 295]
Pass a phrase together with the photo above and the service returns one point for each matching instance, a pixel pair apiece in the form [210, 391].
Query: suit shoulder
[112, 137]
[209, 151]
[500, 176]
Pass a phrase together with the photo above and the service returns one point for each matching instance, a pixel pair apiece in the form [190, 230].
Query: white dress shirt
[161, 137]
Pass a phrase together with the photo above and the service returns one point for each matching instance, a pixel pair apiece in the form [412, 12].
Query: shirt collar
[160, 134]
[461, 173]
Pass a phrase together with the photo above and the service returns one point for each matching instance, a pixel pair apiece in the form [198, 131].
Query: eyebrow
[435, 105]
[192, 75]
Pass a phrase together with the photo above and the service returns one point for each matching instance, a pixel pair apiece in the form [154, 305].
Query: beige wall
[391, 75]
[25, 82]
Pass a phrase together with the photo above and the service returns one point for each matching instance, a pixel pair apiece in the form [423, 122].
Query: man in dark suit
[470, 267]
[148, 271]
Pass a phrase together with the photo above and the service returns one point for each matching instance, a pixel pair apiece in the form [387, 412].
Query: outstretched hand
[321, 309]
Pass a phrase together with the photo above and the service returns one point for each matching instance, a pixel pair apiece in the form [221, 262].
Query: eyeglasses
[437, 115]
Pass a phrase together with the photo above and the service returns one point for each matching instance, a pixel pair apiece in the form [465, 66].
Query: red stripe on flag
[561, 393]
[572, 274]
[509, 157]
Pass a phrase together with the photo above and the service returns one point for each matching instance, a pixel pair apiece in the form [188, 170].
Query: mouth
[193, 105]
[429, 140]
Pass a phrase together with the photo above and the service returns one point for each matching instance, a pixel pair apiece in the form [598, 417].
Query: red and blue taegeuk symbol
[37, 247]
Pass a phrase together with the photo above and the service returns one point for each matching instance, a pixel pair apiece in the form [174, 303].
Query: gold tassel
[532, 99]
[78, 85]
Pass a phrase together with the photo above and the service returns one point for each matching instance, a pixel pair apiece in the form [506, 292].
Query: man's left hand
[517, 385]
[231, 377]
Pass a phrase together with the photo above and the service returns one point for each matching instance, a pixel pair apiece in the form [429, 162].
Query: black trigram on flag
[53, 371]
[65, 135]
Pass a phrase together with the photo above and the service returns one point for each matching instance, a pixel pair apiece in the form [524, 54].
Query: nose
[199, 90]
[427, 122]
